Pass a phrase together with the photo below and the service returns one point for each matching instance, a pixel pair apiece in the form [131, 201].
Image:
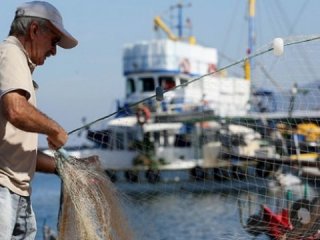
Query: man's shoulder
[10, 52]
[10, 47]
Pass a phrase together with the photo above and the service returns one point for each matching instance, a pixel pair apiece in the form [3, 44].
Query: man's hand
[56, 141]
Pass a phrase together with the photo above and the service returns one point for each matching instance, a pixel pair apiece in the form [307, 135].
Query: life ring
[212, 68]
[185, 66]
[300, 214]
[143, 114]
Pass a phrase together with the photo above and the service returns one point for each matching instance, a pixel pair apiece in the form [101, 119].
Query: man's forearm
[26, 117]
[20, 113]
[45, 163]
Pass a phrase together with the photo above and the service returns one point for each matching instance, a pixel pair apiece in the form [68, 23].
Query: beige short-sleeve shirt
[18, 149]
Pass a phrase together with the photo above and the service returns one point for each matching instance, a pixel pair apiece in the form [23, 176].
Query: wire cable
[258, 53]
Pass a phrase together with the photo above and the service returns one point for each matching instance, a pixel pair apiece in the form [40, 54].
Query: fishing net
[186, 172]
[285, 114]
[90, 204]
[249, 171]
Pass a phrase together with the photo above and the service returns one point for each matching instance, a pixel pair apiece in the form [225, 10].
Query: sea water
[158, 215]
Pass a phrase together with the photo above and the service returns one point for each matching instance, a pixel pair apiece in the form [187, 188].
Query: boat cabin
[124, 139]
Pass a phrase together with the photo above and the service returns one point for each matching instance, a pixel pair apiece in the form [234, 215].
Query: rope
[251, 56]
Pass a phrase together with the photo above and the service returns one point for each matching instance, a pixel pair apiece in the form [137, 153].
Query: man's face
[44, 44]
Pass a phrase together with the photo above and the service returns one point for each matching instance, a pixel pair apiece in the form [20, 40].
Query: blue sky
[87, 80]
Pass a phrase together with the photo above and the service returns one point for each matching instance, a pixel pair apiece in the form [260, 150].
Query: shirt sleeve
[14, 71]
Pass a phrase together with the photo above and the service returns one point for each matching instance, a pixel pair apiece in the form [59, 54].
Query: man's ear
[33, 30]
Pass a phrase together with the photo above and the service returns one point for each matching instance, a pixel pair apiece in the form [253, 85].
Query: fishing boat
[169, 121]
[182, 136]
[160, 123]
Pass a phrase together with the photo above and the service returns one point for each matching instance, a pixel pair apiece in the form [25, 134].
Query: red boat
[301, 222]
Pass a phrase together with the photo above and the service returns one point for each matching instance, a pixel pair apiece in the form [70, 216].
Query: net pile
[90, 204]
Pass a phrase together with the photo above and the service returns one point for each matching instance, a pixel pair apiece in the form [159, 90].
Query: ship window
[167, 82]
[147, 84]
[111, 139]
[182, 140]
[183, 82]
[131, 87]
[101, 138]
[120, 141]
[131, 141]
[156, 136]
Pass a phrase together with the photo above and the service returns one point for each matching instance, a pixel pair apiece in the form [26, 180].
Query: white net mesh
[90, 204]
[189, 172]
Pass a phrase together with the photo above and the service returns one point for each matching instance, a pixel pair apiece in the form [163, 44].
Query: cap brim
[67, 40]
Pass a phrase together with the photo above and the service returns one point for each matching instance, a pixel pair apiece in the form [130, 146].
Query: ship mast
[251, 38]
[180, 20]
[160, 24]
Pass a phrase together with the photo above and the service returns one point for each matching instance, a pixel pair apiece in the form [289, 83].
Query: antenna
[179, 6]
[159, 23]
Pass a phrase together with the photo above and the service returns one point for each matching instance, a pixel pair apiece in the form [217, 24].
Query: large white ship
[161, 123]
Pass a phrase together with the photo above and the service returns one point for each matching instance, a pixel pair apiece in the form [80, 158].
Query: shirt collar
[14, 40]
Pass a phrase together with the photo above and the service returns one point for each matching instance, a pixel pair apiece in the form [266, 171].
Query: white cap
[46, 11]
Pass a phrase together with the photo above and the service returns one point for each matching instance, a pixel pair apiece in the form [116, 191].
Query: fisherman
[35, 32]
